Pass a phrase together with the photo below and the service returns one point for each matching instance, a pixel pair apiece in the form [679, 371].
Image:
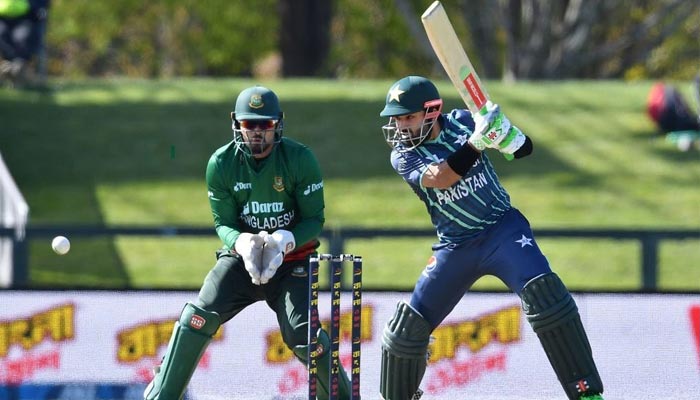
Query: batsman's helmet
[256, 103]
[407, 96]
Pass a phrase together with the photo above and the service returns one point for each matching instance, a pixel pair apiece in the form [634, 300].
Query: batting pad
[554, 317]
[191, 336]
[404, 353]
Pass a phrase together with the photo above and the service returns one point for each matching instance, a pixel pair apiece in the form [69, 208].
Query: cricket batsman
[266, 196]
[442, 158]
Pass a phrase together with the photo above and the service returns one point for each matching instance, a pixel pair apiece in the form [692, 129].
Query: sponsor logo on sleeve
[242, 186]
[313, 187]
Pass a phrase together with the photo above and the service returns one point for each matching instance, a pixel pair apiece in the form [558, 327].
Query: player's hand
[277, 245]
[250, 247]
[493, 130]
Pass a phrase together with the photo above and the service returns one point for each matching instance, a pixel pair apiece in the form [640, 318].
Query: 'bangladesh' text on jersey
[473, 203]
[283, 191]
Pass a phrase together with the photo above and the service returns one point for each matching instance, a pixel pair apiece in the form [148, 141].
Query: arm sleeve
[309, 199]
[222, 208]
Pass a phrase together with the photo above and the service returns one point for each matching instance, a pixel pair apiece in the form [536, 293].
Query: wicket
[336, 263]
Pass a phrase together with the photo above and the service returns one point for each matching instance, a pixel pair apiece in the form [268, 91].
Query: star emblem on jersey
[395, 93]
[524, 241]
[462, 139]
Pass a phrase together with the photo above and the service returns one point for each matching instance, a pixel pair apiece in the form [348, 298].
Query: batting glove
[493, 130]
[277, 244]
[250, 248]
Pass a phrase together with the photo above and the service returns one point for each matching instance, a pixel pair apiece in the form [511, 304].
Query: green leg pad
[323, 374]
[191, 335]
[404, 353]
[554, 317]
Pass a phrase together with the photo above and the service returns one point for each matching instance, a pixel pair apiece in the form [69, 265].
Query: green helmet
[407, 96]
[256, 103]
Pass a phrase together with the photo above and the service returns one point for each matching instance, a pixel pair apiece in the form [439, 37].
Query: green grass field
[131, 152]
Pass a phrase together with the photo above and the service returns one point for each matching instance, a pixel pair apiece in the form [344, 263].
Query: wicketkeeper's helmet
[256, 103]
[407, 96]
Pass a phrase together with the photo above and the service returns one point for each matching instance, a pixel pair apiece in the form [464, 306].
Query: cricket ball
[60, 244]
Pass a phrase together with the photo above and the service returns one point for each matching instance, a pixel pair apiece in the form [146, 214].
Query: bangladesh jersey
[282, 191]
[473, 203]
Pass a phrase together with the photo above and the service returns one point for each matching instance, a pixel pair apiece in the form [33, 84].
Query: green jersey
[282, 191]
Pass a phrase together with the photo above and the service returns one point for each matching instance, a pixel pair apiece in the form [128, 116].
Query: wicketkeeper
[442, 158]
[266, 195]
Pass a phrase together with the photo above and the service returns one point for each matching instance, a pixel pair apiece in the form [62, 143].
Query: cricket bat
[454, 60]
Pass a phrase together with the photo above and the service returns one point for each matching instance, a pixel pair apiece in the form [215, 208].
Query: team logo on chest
[278, 184]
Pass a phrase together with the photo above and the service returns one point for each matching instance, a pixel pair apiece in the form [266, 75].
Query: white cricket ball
[60, 244]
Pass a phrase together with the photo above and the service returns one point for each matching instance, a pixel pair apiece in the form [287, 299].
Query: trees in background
[513, 39]
[305, 38]
[544, 39]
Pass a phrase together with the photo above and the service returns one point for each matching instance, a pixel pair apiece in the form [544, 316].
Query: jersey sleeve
[410, 166]
[309, 198]
[223, 208]
[461, 120]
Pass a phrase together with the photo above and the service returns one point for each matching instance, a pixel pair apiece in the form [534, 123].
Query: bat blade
[453, 58]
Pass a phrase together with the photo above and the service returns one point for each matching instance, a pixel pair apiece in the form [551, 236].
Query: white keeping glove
[494, 130]
[277, 245]
[250, 247]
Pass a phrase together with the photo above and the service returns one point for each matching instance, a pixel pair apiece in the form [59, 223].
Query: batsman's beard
[415, 135]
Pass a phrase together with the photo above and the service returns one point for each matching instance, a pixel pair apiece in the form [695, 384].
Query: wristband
[525, 149]
[462, 159]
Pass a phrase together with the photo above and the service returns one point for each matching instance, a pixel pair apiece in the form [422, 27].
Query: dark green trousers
[227, 290]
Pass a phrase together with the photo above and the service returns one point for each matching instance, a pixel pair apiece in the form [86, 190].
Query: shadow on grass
[59, 153]
[141, 142]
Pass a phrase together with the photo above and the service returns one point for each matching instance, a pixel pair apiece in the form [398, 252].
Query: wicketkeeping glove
[250, 247]
[277, 244]
[493, 130]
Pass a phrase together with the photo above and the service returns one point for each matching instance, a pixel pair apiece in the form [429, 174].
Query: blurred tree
[305, 42]
[584, 39]
[480, 26]
[544, 39]
[160, 38]
[373, 38]
[515, 39]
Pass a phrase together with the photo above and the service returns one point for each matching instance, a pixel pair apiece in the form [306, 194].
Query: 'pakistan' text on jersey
[283, 191]
[473, 203]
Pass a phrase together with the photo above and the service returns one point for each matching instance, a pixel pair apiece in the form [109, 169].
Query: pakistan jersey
[282, 191]
[473, 203]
